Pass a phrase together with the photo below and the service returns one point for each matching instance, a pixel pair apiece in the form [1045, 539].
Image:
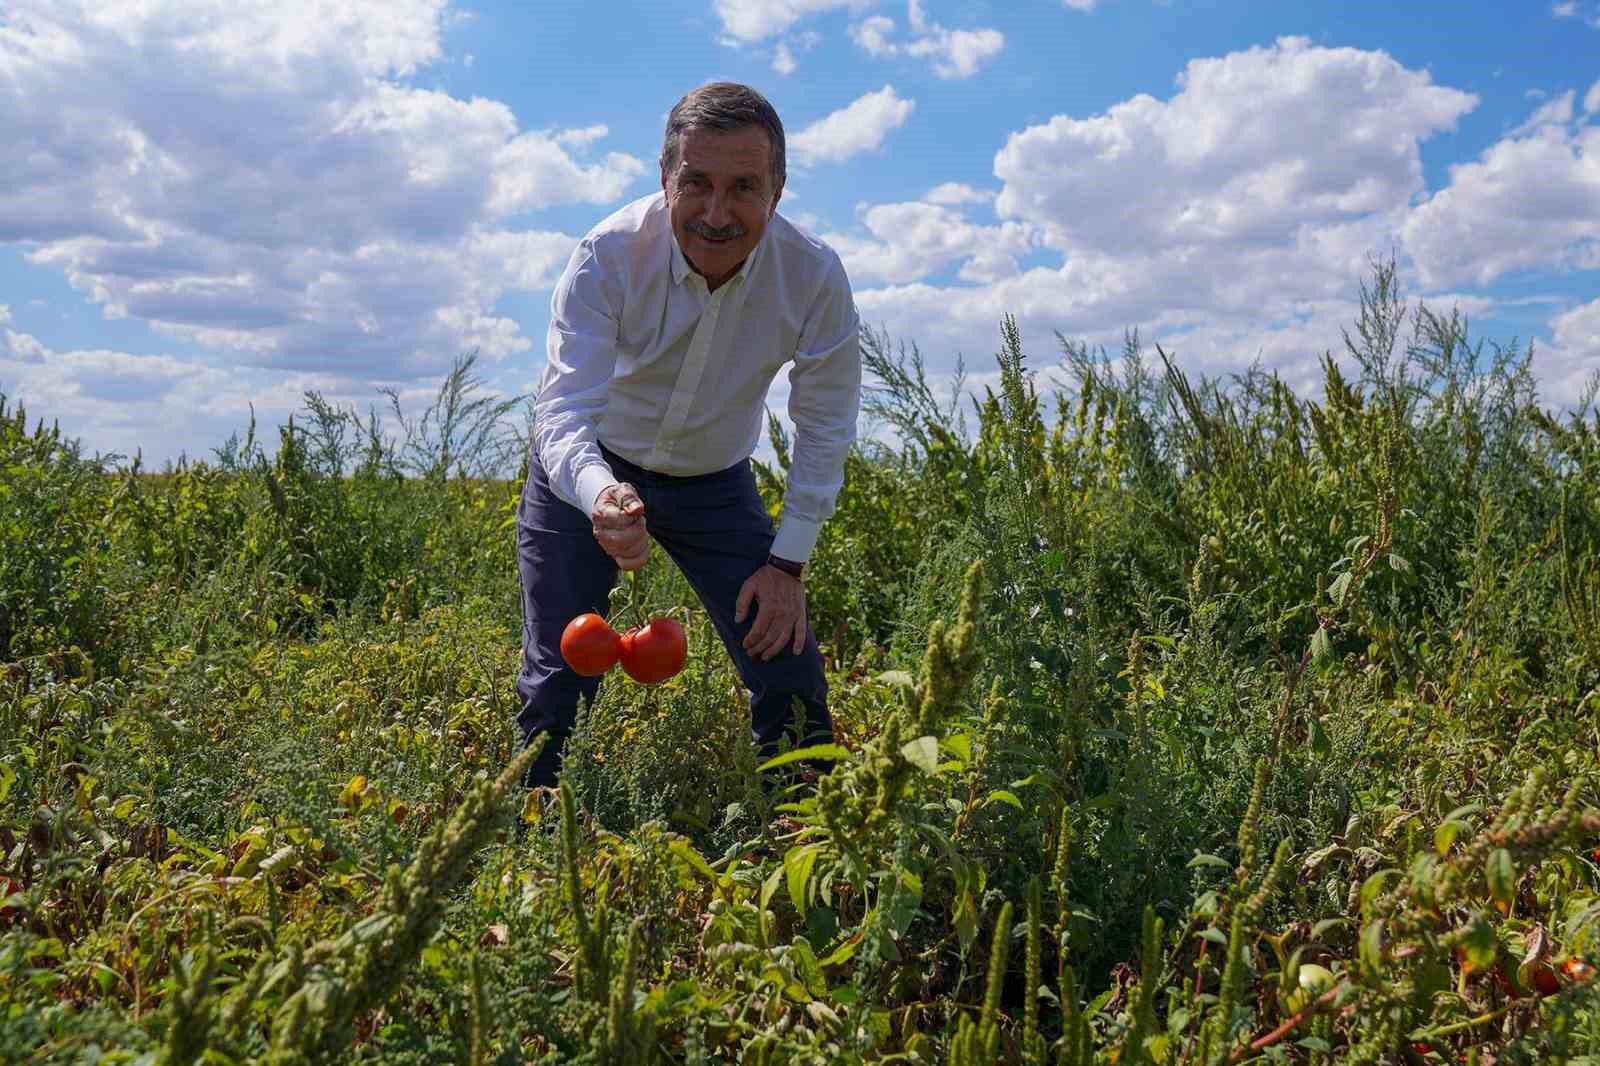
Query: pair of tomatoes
[649, 653]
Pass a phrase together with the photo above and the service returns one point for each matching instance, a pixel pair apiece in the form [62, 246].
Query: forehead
[740, 151]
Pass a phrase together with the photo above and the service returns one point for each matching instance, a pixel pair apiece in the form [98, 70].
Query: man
[666, 329]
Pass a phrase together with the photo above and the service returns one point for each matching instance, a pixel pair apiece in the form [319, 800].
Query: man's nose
[717, 213]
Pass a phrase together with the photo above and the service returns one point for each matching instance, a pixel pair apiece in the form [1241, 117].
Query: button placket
[688, 381]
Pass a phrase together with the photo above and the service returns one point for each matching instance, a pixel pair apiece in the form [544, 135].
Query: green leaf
[1399, 563]
[1210, 860]
[8, 777]
[797, 864]
[843, 953]
[957, 744]
[1480, 944]
[1502, 877]
[1321, 647]
[769, 887]
[1445, 835]
[896, 677]
[1320, 744]
[1000, 795]
[922, 753]
[686, 852]
[1341, 587]
[1372, 946]
[815, 751]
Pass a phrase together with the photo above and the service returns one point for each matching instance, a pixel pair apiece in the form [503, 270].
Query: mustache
[727, 233]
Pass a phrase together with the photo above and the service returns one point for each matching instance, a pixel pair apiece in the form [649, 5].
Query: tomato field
[1179, 721]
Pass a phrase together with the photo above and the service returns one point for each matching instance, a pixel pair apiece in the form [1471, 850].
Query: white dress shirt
[673, 377]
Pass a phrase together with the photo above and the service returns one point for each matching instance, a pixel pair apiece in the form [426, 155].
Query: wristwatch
[798, 571]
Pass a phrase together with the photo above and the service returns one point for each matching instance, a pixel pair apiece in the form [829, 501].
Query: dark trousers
[717, 531]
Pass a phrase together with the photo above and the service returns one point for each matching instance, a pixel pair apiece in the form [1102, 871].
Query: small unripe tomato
[1313, 980]
[654, 651]
[589, 645]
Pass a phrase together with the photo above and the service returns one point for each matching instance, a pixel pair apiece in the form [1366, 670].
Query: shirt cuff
[796, 537]
[591, 481]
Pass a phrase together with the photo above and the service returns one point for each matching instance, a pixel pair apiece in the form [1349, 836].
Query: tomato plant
[654, 651]
[589, 645]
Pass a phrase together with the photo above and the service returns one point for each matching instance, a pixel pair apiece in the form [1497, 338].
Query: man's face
[720, 194]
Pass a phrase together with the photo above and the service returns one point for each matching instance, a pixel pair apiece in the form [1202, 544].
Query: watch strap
[788, 566]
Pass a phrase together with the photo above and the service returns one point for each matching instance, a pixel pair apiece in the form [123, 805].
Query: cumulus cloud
[1230, 221]
[909, 241]
[1591, 99]
[1556, 111]
[954, 192]
[1571, 361]
[1531, 199]
[115, 397]
[261, 180]
[756, 20]
[783, 55]
[858, 127]
[954, 53]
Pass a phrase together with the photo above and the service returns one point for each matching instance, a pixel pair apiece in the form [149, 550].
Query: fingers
[617, 507]
[747, 592]
[619, 526]
[780, 615]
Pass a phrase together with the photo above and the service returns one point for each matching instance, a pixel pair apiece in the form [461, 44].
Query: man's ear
[663, 177]
[776, 196]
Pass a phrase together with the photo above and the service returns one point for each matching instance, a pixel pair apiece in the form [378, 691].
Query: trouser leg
[564, 573]
[718, 532]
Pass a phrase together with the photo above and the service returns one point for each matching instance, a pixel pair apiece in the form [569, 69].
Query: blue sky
[213, 204]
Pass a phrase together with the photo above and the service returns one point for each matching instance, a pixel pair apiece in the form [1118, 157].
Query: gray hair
[724, 106]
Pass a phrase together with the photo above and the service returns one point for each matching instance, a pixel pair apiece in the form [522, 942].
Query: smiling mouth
[715, 236]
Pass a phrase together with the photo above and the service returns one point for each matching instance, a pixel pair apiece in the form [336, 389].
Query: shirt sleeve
[824, 401]
[580, 354]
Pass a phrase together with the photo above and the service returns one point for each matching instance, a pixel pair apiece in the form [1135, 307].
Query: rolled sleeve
[581, 352]
[824, 403]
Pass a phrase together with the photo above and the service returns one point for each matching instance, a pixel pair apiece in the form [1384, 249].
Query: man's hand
[780, 616]
[618, 522]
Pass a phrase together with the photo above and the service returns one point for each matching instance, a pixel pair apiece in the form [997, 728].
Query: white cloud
[859, 127]
[1556, 111]
[955, 53]
[1591, 99]
[1564, 9]
[783, 56]
[253, 178]
[909, 241]
[756, 20]
[1566, 366]
[953, 192]
[117, 398]
[1530, 200]
[1234, 219]
[1081, 5]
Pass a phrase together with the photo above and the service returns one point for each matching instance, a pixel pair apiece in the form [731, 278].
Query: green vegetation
[1180, 722]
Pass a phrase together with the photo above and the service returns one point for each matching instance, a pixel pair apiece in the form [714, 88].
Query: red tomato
[1577, 970]
[589, 645]
[654, 652]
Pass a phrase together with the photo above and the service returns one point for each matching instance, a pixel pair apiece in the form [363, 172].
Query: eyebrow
[691, 173]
